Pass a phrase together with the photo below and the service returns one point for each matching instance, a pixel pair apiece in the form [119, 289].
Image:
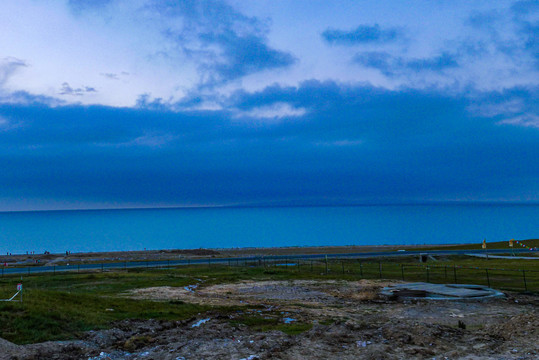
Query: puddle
[200, 322]
[288, 320]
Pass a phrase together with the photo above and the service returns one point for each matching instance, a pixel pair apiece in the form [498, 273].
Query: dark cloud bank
[354, 144]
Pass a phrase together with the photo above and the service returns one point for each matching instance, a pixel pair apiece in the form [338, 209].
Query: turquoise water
[100, 230]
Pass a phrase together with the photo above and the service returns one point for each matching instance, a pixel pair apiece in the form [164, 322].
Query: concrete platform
[422, 290]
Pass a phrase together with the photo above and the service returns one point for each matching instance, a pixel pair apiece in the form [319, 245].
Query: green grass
[55, 315]
[64, 305]
[490, 245]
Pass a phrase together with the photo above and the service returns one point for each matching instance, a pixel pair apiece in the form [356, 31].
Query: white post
[19, 289]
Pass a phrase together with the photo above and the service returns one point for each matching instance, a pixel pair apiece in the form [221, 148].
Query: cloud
[26, 98]
[224, 43]
[436, 63]
[380, 60]
[272, 113]
[68, 90]
[8, 66]
[110, 76]
[390, 65]
[150, 140]
[530, 120]
[514, 37]
[353, 143]
[363, 34]
[4, 123]
[525, 7]
[244, 55]
[78, 6]
[518, 103]
[530, 32]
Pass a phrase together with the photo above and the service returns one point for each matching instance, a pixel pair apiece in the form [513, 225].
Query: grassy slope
[62, 306]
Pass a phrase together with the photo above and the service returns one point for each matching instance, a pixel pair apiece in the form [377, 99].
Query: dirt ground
[349, 320]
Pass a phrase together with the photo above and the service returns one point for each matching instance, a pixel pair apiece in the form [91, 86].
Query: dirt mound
[336, 320]
[219, 338]
[267, 292]
[523, 325]
[7, 348]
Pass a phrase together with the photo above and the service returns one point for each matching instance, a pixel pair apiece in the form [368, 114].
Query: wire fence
[349, 268]
[505, 279]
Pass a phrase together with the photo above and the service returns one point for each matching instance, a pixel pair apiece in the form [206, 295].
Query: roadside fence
[345, 267]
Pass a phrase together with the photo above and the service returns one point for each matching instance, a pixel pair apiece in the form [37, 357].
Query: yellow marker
[511, 242]
[484, 246]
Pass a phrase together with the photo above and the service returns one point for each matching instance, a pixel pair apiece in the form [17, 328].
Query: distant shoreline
[205, 252]
[283, 205]
[169, 254]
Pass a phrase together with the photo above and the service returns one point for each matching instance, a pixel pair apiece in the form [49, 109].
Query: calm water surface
[101, 230]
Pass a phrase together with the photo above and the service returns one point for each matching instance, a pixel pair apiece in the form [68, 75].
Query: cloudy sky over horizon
[120, 103]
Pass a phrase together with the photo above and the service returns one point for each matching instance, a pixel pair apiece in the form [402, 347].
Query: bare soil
[350, 320]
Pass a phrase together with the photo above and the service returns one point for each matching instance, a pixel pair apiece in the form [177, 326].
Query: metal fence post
[488, 278]
[428, 275]
[455, 273]
[445, 272]
[524, 278]
[380, 268]
[361, 269]
[327, 269]
[402, 271]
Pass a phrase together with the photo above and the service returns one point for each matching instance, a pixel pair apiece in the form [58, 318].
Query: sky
[157, 103]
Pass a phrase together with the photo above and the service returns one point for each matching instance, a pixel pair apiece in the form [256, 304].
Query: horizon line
[284, 205]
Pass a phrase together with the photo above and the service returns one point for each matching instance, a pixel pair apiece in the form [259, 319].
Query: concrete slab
[422, 290]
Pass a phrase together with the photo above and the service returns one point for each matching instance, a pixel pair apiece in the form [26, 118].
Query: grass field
[490, 245]
[64, 305]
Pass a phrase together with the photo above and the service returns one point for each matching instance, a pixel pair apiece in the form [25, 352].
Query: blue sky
[135, 103]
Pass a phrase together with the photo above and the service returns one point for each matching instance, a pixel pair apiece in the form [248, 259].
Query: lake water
[101, 230]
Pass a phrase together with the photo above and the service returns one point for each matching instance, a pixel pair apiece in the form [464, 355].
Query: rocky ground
[342, 320]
